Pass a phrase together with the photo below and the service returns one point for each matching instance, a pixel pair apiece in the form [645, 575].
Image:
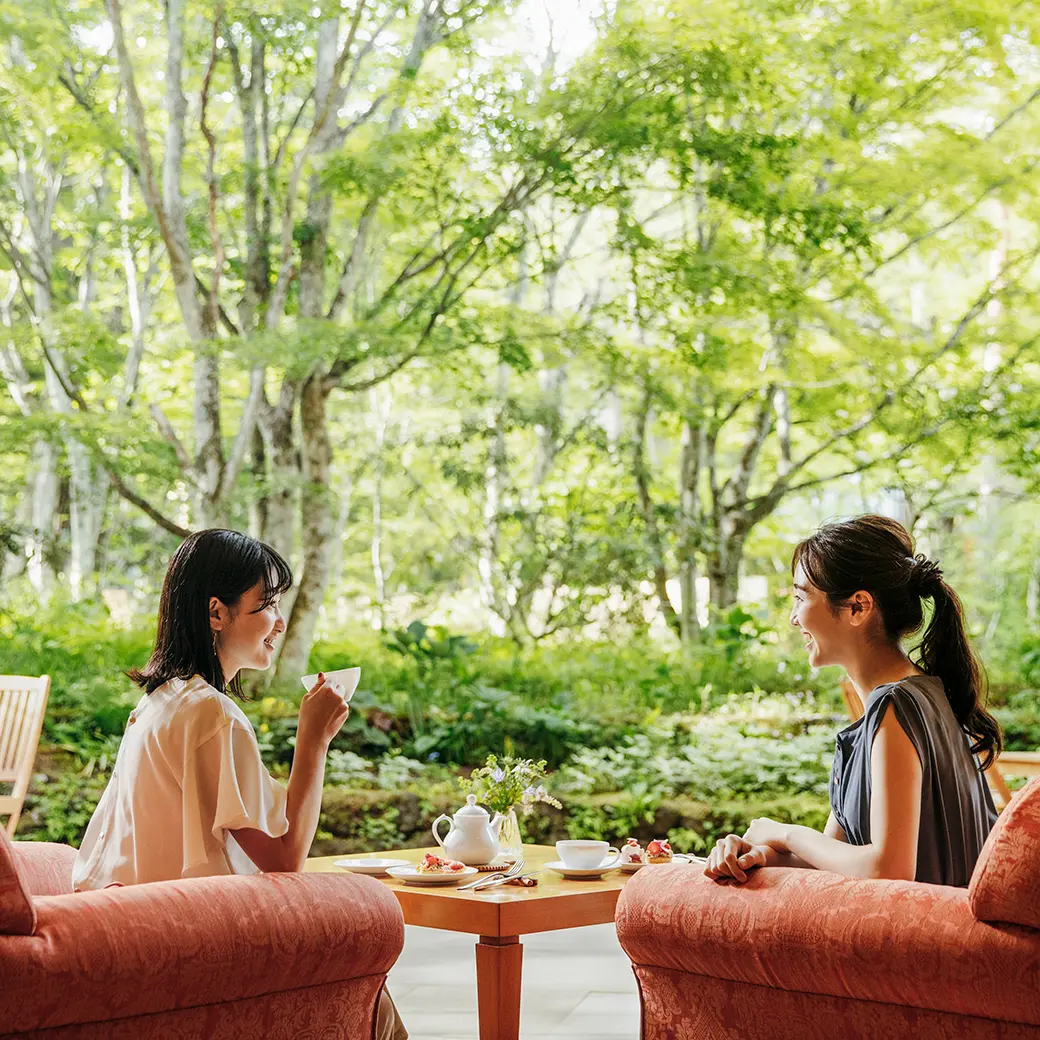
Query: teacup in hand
[347, 677]
[586, 855]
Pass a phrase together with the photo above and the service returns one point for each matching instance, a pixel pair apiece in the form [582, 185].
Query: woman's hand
[733, 857]
[322, 712]
[764, 831]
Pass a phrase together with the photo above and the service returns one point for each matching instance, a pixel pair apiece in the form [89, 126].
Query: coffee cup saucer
[581, 872]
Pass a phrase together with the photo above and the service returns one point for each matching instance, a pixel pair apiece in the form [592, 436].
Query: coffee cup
[586, 855]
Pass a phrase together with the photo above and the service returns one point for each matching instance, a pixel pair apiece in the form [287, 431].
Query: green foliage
[623, 816]
[58, 806]
[1020, 720]
[713, 759]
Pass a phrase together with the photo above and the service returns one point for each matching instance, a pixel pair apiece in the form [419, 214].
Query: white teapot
[472, 836]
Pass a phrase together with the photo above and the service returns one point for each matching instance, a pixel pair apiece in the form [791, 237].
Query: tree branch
[245, 429]
[170, 434]
[164, 522]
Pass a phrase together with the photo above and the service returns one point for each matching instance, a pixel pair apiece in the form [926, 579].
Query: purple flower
[498, 775]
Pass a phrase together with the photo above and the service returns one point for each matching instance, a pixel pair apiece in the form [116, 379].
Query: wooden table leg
[499, 963]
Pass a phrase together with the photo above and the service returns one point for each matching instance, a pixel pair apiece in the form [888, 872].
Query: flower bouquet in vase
[505, 785]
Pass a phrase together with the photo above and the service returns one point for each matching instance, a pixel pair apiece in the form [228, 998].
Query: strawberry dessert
[659, 852]
[432, 864]
[632, 852]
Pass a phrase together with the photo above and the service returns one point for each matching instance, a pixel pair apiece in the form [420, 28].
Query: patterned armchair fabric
[269, 955]
[45, 866]
[1006, 882]
[816, 955]
[17, 915]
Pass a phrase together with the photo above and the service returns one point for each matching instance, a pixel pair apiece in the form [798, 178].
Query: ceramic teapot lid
[471, 810]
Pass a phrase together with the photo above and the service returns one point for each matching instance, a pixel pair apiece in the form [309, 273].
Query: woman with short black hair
[908, 796]
[189, 795]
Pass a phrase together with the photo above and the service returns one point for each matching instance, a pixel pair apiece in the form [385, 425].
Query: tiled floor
[578, 985]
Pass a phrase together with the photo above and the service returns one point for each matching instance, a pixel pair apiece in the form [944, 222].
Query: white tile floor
[577, 985]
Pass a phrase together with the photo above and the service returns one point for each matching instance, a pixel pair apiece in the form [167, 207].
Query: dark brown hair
[217, 563]
[876, 554]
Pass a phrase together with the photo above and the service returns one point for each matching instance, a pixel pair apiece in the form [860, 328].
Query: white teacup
[586, 855]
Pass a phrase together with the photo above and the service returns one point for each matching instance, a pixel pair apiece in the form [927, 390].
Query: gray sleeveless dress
[957, 810]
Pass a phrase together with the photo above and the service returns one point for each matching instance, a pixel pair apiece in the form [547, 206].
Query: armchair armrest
[159, 947]
[45, 866]
[811, 931]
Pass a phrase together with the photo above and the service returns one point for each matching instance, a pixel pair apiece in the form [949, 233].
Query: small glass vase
[509, 840]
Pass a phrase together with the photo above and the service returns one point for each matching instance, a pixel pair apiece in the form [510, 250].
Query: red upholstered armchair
[277, 956]
[813, 955]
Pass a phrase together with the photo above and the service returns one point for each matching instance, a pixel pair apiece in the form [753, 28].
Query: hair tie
[924, 573]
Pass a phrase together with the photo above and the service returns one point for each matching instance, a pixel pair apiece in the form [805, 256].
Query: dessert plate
[678, 857]
[371, 866]
[412, 876]
[581, 872]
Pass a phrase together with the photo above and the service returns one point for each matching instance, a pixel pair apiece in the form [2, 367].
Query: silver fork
[512, 872]
[484, 886]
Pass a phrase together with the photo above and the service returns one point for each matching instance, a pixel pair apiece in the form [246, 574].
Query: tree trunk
[381, 410]
[258, 503]
[209, 451]
[724, 559]
[44, 516]
[318, 510]
[317, 513]
[551, 383]
[641, 473]
[689, 531]
[279, 505]
[491, 593]
[40, 475]
[39, 196]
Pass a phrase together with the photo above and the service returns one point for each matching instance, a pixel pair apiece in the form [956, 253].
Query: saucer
[412, 876]
[581, 872]
[371, 866]
[678, 857]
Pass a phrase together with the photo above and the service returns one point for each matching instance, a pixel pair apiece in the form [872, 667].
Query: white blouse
[188, 772]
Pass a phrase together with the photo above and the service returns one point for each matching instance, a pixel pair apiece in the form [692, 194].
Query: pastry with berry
[659, 851]
[431, 864]
[632, 852]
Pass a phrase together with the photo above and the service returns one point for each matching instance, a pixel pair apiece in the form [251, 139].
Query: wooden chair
[1011, 763]
[23, 701]
[1008, 763]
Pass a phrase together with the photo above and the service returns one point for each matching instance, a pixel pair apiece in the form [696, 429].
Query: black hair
[875, 554]
[210, 563]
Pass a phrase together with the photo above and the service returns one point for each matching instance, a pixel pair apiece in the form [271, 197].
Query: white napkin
[348, 678]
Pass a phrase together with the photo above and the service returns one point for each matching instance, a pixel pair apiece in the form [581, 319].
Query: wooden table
[499, 917]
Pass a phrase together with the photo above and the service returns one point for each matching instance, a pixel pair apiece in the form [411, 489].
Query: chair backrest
[1005, 885]
[853, 701]
[23, 702]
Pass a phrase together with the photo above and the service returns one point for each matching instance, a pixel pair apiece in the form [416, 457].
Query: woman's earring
[216, 652]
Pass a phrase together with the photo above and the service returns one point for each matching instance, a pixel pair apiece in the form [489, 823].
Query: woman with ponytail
[908, 795]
